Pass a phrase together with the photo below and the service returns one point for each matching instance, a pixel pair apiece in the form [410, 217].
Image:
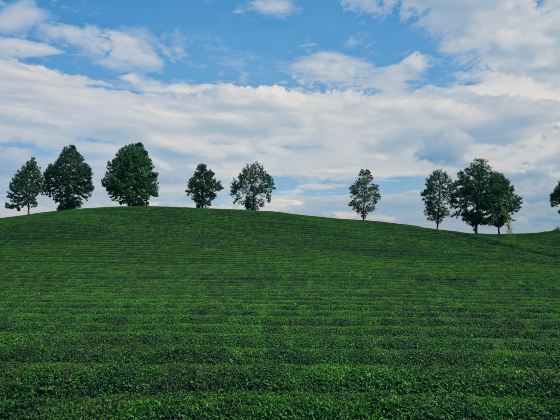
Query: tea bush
[189, 313]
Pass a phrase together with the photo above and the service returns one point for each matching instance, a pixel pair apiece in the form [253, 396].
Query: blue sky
[315, 90]
[228, 41]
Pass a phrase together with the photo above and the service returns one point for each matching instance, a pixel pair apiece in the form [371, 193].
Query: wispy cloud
[227, 125]
[24, 48]
[122, 50]
[377, 7]
[516, 37]
[272, 8]
[341, 71]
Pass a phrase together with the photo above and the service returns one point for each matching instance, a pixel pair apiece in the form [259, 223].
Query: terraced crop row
[159, 312]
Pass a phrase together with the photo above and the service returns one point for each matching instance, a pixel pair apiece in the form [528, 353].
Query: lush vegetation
[25, 187]
[364, 194]
[253, 187]
[130, 178]
[203, 187]
[479, 196]
[68, 181]
[147, 312]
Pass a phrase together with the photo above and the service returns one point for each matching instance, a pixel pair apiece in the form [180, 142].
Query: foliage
[154, 312]
[364, 194]
[202, 186]
[471, 195]
[25, 187]
[555, 196]
[253, 187]
[503, 201]
[68, 181]
[436, 196]
[130, 178]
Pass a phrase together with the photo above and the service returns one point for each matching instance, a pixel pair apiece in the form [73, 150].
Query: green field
[173, 312]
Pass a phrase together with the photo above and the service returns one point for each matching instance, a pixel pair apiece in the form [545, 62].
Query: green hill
[172, 312]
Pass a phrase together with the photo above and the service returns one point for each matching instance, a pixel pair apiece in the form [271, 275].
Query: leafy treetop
[130, 178]
[364, 194]
[503, 200]
[471, 194]
[555, 197]
[436, 196]
[253, 187]
[68, 181]
[202, 186]
[25, 187]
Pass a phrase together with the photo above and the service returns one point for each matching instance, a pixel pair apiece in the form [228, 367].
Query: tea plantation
[173, 312]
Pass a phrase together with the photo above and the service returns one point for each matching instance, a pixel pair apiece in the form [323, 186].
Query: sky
[315, 90]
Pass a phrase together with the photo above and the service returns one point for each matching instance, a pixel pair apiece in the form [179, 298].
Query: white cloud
[351, 42]
[515, 37]
[272, 8]
[318, 139]
[23, 48]
[337, 70]
[20, 16]
[117, 50]
[377, 7]
[129, 49]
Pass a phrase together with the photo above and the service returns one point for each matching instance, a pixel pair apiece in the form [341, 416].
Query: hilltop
[182, 312]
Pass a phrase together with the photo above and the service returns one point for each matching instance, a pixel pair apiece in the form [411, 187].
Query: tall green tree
[470, 198]
[555, 197]
[504, 202]
[25, 187]
[202, 186]
[68, 181]
[253, 187]
[437, 196]
[364, 194]
[130, 178]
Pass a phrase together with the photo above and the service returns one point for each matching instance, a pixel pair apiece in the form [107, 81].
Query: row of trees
[130, 180]
[479, 196]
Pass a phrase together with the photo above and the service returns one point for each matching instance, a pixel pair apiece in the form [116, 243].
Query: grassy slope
[167, 311]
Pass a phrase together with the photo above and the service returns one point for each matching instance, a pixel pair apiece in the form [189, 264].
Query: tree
[68, 180]
[470, 197]
[364, 194]
[202, 186]
[25, 187]
[503, 201]
[555, 197]
[436, 196]
[130, 178]
[253, 187]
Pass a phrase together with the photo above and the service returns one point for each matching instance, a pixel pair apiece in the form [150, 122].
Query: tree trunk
[28, 209]
[437, 225]
[476, 229]
[498, 230]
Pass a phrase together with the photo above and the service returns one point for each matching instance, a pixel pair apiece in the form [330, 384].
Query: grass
[168, 312]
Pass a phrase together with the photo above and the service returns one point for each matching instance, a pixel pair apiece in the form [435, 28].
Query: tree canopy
[130, 178]
[504, 202]
[68, 181]
[202, 186]
[253, 187]
[25, 187]
[555, 197]
[364, 194]
[470, 198]
[437, 196]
